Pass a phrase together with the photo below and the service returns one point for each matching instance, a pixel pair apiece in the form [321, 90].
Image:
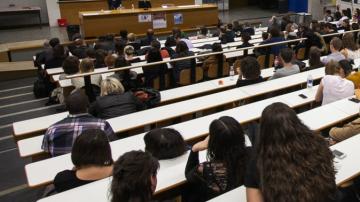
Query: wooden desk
[158, 3]
[97, 23]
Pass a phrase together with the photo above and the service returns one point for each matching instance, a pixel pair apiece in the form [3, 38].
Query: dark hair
[123, 34]
[150, 32]
[203, 30]
[54, 42]
[287, 54]
[250, 68]
[265, 35]
[287, 148]
[153, 55]
[245, 37]
[336, 43]
[122, 62]
[91, 53]
[91, 148]
[164, 143]
[170, 41]
[315, 58]
[181, 48]
[345, 66]
[132, 177]
[156, 44]
[176, 31]
[275, 31]
[100, 58]
[71, 65]
[227, 145]
[77, 102]
[349, 42]
[59, 51]
[119, 47]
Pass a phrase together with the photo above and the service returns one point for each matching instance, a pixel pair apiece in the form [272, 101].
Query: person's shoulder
[65, 175]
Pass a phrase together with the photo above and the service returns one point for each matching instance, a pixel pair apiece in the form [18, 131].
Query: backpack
[149, 96]
[41, 88]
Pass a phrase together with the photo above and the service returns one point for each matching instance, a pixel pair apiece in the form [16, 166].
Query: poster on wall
[178, 18]
[159, 21]
[144, 18]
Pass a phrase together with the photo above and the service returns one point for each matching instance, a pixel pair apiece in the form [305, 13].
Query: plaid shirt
[60, 137]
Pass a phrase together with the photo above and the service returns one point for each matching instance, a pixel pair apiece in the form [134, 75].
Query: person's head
[59, 51]
[181, 47]
[54, 42]
[86, 65]
[110, 60]
[229, 26]
[227, 145]
[176, 31]
[91, 53]
[71, 65]
[156, 44]
[131, 37]
[121, 62]
[314, 57]
[91, 148]
[77, 39]
[355, 26]
[153, 55]
[216, 47]
[150, 33]
[100, 55]
[332, 68]
[286, 55]
[119, 48]
[170, 42]
[77, 102]
[328, 27]
[111, 85]
[287, 148]
[315, 26]
[289, 28]
[123, 34]
[203, 30]
[328, 12]
[275, 31]
[265, 35]
[129, 50]
[250, 68]
[134, 177]
[345, 68]
[245, 37]
[335, 44]
[349, 42]
[164, 143]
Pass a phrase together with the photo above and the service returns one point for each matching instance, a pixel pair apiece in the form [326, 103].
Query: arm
[109, 132]
[345, 132]
[319, 93]
[193, 168]
[253, 195]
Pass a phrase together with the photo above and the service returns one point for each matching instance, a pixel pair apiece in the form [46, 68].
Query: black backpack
[40, 88]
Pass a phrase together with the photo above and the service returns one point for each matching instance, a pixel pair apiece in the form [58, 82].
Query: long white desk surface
[344, 174]
[347, 168]
[158, 114]
[39, 173]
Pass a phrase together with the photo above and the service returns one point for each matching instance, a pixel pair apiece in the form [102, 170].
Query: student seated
[225, 167]
[127, 77]
[113, 101]
[58, 56]
[286, 57]
[134, 177]
[249, 73]
[149, 38]
[47, 53]
[86, 66]
[60, 136]
[284, 166]
[335, 47]
[132, 41]
[218, 60]
[130, 54]
[350, 49]
[245, 38]
[182, 50]
[99, 61]
[110, 61]
[154, 71]
[78, 47]
[226, 36]
[333, 85]
[315, 58]
[91, 156]
[275, 36]
[164, 52]
[164, 143]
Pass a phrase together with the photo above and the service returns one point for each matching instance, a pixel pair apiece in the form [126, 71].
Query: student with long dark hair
[291, 163]
[217, 60]
[181, 50]
[134, 177]
[153, 71]
[315, 58]
[226, 160]
[164, 143]
[91, 156]
[249, 73]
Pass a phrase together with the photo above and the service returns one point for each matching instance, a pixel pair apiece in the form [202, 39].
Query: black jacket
[114, 105]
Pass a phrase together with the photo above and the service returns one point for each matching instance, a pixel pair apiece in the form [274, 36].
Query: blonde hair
[110, 60]
[131, 37]
[111, 85]
[86, 65]
[129, 50]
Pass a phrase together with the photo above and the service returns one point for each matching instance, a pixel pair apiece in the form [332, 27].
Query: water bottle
[232, 73]
[309, 82]
[198, 33]
[208, 33]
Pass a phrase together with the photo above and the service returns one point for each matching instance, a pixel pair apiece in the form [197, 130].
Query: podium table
[97, 23]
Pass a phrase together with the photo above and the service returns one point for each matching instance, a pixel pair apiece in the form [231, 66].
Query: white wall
[53, 12]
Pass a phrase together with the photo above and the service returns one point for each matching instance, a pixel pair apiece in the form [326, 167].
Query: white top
[336, 88]
[352, 55]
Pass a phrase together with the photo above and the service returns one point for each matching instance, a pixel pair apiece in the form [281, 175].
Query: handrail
[199, 55]
[179, 59]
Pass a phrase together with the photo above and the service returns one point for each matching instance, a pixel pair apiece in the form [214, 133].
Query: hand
[200, 146]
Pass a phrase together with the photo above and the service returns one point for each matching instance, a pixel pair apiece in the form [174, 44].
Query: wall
[54, 12]
[21, 20]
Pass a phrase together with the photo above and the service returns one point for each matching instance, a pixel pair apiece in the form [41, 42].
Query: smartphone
[338, 154]
[303, 96]
[354, 100]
